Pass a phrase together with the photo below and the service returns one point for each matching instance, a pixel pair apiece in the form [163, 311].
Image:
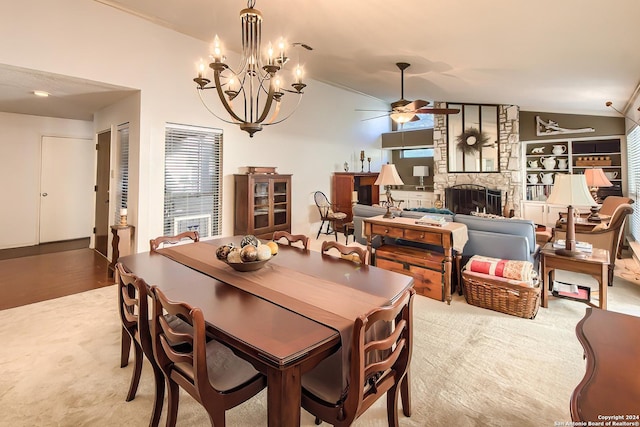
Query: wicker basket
[499, 294]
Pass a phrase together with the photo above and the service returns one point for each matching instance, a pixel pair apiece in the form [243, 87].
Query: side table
[611, 384]
[121, 244]
[595, 264]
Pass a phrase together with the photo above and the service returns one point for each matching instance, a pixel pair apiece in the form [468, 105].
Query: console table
[611, 384]
[450, 237]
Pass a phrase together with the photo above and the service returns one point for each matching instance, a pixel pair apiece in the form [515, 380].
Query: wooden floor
[34, 278]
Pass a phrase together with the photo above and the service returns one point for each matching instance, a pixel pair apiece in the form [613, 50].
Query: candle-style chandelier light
[252, 94]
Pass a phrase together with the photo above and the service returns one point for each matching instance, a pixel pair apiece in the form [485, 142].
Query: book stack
[431, 220]
[580, 246]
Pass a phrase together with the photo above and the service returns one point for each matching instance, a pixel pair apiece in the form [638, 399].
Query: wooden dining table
[284, 318]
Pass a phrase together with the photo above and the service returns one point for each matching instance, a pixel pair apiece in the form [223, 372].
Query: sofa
[507, 238]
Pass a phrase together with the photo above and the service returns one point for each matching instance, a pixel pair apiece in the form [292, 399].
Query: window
[425, 122]
[192, 180]
[417, 153]
[122, 183]
[633, 172]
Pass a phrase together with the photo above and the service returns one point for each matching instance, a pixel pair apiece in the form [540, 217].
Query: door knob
[45, 194]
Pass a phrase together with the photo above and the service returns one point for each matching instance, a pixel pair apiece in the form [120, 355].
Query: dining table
[284, 318]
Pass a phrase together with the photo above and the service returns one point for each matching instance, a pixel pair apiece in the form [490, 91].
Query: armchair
[605, 235]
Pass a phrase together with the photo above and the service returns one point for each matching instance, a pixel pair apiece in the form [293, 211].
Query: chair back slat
[352, 253]
[159, 242]
[291, 238]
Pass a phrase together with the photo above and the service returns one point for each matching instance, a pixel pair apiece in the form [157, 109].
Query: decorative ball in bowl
[252, 255]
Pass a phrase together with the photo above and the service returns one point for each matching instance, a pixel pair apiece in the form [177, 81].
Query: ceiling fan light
[402, 117]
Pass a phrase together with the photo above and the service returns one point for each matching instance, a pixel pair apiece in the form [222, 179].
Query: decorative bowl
[248, 266]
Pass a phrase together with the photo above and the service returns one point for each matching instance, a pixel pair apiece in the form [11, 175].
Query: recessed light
[41, 93]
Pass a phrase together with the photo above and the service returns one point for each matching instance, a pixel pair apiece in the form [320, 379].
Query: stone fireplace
[508, 180]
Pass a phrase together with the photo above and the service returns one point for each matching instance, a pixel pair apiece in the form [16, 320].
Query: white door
[66, 188]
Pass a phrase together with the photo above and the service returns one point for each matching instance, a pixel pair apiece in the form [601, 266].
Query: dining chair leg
[217, 417]
[392, 406]
[405, 394]
[320, 229]
[159, 397]
[137, 370]
[125, 348]
[173, 394]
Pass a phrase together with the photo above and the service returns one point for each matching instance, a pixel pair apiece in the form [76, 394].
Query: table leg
[603, 284]
[448, 268]
[545, 282]
[283, 396]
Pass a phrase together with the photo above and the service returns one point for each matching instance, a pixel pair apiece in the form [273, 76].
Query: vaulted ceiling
[568, 56]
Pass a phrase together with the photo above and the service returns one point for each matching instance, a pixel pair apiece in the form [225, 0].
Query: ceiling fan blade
[437, 111]
[375, 117]
[416, 105]
[378, 111]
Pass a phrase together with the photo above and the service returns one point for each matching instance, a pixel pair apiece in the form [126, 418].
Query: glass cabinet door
[261, 204]
[280, 202]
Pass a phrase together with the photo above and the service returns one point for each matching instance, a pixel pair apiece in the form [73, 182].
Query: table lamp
[388, 176]
[421, 171]
[596, 178]
[570, 190]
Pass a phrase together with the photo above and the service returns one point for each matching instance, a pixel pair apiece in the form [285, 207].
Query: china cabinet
[262, 204]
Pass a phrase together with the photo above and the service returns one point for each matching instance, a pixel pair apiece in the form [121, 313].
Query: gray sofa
[505, 238]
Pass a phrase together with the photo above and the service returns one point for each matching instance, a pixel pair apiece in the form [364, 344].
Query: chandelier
[252, 94]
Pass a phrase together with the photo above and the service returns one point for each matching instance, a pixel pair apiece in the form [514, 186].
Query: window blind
[122, 183]
[192, 180]
[633, 179]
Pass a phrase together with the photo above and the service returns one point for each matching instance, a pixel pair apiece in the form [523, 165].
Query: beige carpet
[59, 365]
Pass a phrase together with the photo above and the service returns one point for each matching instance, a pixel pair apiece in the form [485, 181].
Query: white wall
[20, 147]
[93, 41]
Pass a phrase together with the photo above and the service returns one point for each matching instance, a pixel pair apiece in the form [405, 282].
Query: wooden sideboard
[344, 184]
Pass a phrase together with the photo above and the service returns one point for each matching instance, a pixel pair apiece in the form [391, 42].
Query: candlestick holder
[123, 220]
[369, 160]
[361, 165]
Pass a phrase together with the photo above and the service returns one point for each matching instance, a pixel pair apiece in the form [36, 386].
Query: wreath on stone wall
[471, 140]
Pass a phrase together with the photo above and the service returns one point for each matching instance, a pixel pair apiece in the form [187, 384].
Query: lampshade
[388, 176]
[421, 171]
[596, 178]
[570, 190]
[404, 117]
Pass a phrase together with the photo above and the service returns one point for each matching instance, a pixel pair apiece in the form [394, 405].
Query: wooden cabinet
[262, 204]
[412, 199]
[546, 214]
[343, 186]
[426, 267]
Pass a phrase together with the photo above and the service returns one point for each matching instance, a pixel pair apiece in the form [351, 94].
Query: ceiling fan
[403, 111]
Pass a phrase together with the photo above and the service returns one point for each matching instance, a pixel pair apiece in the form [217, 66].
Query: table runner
[309, 296]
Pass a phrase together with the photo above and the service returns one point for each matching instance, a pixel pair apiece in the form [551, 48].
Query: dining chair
[325, 207]
[134, 314]
[291, 238]
[209, 371]
[159, 242]
[352, 253]
[378, 363]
